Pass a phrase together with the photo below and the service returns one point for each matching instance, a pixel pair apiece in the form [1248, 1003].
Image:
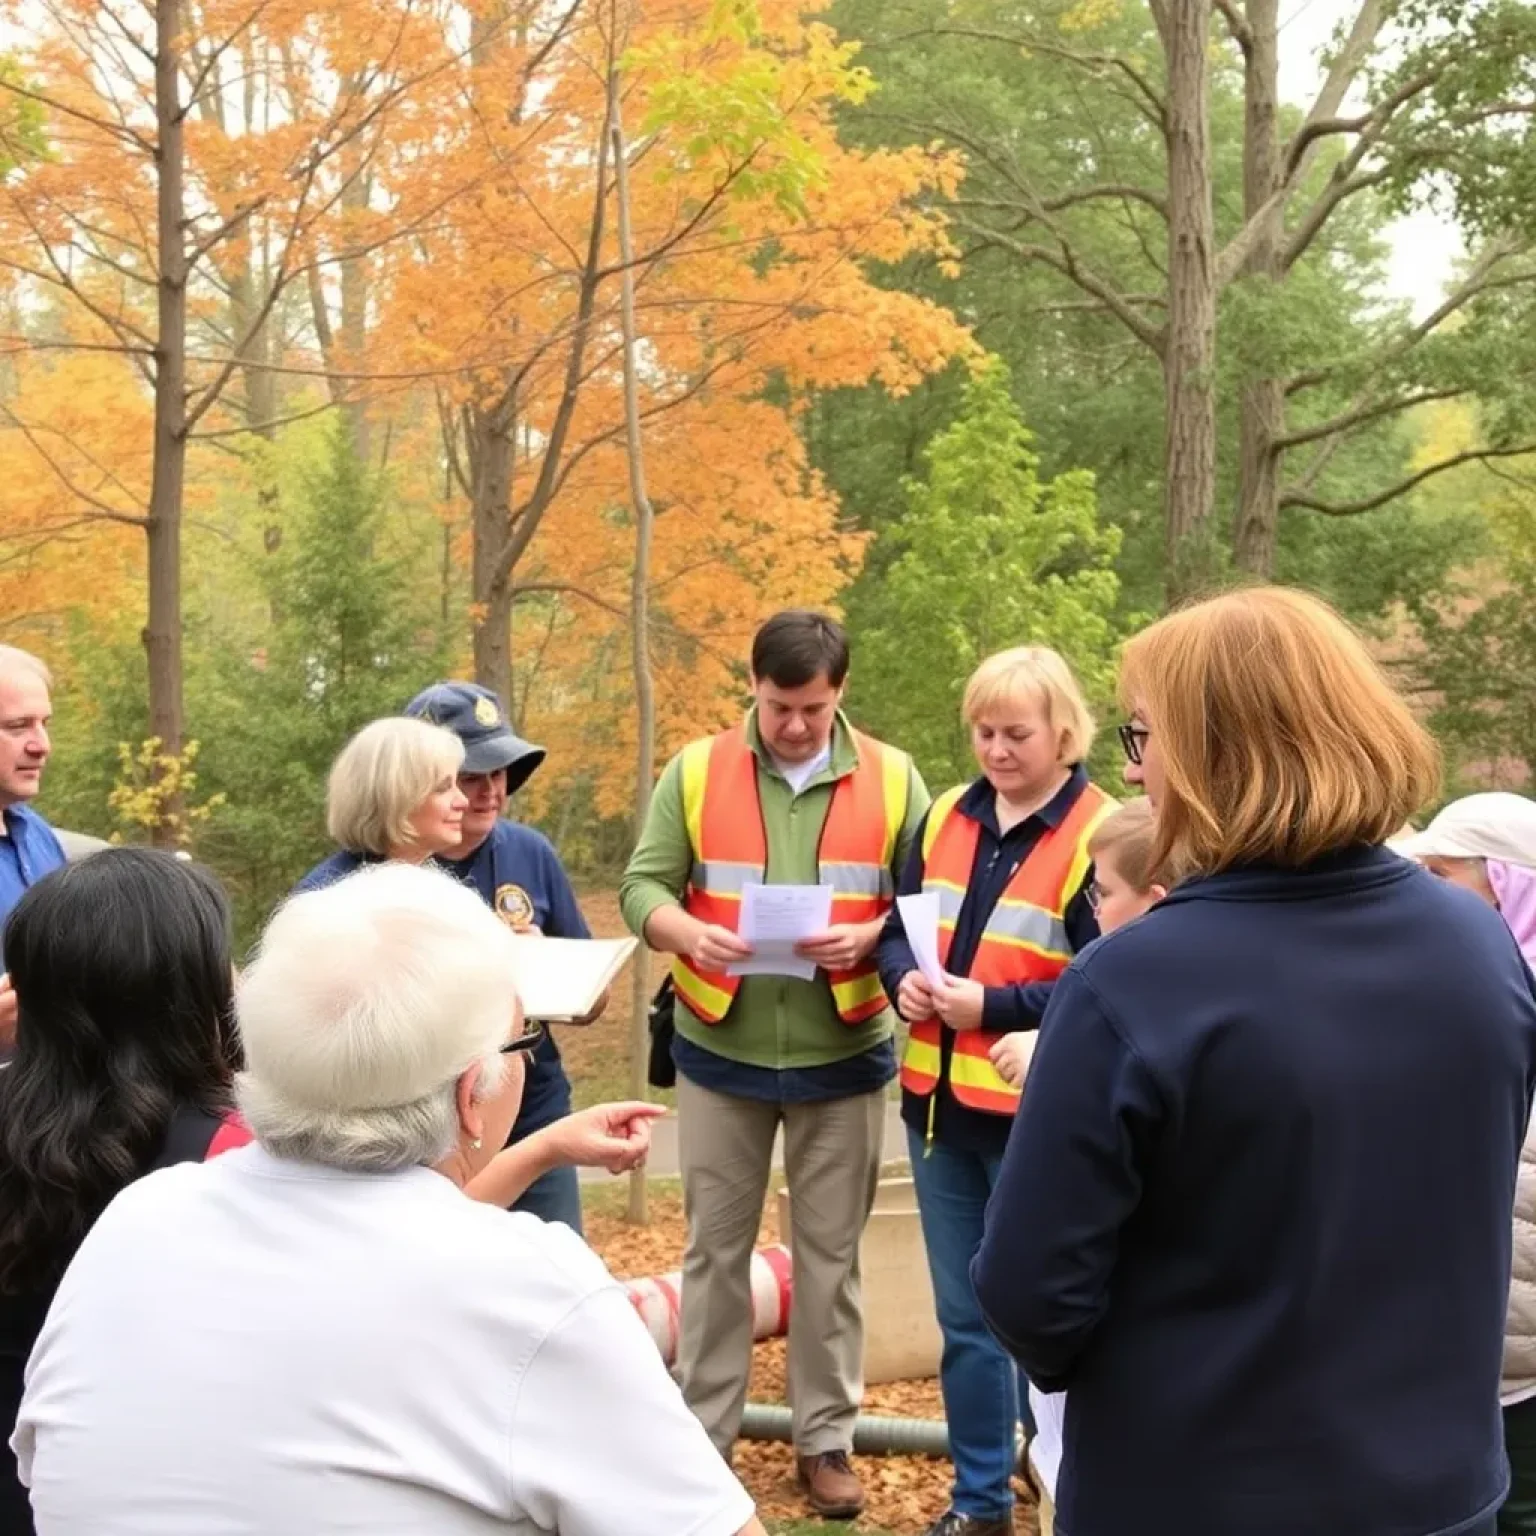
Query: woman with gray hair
[319, 1332]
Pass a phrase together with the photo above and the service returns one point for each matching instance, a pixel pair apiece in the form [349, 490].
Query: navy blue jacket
[1254, 1214]
[517, 873]
[998, 856]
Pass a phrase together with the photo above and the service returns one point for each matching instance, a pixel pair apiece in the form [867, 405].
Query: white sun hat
[1494, 825]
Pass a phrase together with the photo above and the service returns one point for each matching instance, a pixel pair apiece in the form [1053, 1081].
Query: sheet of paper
[920, 917]
[774, 918]
[1045, 1449]
[560, 980]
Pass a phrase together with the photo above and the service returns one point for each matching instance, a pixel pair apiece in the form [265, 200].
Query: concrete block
[901, 1332]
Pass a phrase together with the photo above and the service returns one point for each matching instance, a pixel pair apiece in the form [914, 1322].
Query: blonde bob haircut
[1032, 674]
[1280, 739]
[381, 777]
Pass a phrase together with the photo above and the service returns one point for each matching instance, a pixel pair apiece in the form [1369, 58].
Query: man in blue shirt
[28, 848]
[518, 873]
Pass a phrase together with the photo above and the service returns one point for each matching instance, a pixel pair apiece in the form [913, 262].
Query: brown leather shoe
[831, 1485]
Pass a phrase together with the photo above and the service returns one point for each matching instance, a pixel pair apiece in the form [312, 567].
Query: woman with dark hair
[125, 1052]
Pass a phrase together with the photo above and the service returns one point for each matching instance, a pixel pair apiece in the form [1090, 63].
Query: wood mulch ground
[906, 1493]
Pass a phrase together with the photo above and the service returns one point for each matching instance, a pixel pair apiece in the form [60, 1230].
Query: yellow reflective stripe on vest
[922, 1057]
[977, 1072]
[709, 1002]
[896, 770]
[858, 990]
[1082, 861]
[1026, 926]
[718, 877]
[938, 814]
[695, 773]
[849, 879]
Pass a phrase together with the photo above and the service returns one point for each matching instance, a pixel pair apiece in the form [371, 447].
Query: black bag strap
[187, 1137]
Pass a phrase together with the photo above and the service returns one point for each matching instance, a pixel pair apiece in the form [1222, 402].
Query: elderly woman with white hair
[319, 1332]
[393, 793]
[1487, 844]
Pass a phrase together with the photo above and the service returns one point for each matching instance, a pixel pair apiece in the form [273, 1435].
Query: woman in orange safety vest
[1006, 857]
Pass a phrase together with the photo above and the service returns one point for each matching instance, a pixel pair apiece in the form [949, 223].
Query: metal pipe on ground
[873, 1434]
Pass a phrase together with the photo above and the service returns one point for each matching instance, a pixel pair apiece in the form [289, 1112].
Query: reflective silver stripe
[858, 879]
[950, 900]
[1016, 922]
[721, 879]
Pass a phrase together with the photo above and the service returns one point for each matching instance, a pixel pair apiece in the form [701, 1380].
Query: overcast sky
[1424, 248]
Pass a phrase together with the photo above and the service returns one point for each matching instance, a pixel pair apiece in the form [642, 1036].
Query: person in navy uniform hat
[518, 873]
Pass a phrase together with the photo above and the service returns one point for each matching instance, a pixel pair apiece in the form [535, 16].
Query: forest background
[354, 344]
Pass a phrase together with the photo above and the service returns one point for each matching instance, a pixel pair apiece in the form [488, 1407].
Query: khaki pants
[832, 1164]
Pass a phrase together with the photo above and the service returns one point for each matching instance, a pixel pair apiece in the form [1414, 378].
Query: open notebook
[560, 980]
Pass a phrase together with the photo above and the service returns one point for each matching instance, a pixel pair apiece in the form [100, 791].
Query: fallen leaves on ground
[906, 1493]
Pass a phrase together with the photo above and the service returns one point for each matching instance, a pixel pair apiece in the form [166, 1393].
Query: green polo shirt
[776, 1021]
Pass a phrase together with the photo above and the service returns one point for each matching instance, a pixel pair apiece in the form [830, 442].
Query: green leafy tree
[985, 555]
[1477, 653]
[1064, 221]
[355, 633]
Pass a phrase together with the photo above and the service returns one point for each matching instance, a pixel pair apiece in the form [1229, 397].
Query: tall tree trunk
[1190, 352]
[501, 529]
[354, 309]
[639, 621]
[490, 445]
[1262, 404]
[489, 433]
[162, 633]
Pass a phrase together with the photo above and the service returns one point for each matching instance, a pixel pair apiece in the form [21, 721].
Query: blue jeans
[556, 1196]
[984, 1391]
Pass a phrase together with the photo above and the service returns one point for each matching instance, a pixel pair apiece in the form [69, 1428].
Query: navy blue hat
[474, 714]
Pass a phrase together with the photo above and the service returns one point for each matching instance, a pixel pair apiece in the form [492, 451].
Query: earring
[474, 1146]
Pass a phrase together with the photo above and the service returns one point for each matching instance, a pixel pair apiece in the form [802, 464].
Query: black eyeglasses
[1132, 739]
[533, 1032]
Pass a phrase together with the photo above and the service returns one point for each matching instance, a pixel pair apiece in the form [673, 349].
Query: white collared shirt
[256, 1347]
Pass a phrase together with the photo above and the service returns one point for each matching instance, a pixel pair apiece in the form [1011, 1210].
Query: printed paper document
[560, 980]
[920, 917]
[774, 918]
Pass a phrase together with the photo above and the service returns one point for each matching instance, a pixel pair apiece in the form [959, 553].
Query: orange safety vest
[730, 851]
[1025, 938]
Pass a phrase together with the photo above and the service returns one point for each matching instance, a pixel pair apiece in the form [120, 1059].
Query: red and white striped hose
[657, 1298]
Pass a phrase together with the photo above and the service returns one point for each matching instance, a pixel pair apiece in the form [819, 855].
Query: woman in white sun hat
[1487, 843]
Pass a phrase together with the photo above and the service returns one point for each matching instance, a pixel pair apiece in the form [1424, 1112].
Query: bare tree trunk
[1190, 355]
[488, 442]
[162, 633]
[1262, 406]
[256, 359]
[354, 310]
[639, 620]
[501, 529]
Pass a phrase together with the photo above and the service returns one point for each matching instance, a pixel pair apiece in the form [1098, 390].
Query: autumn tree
[139, 233]
[751, 226]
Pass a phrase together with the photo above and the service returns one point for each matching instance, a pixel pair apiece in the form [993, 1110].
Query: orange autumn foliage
[409, 211]
[754, 231]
